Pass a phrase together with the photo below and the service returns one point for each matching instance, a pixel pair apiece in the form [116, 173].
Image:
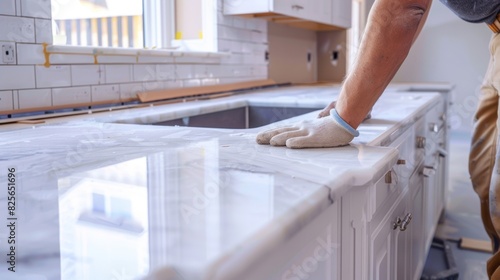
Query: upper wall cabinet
[315, 15]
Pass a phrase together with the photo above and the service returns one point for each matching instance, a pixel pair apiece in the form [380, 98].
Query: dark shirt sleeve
[474, 10]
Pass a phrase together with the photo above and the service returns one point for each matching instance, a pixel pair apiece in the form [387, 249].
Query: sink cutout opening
[239, 118]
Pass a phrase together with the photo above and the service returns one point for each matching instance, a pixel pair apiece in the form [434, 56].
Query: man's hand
[318, 133]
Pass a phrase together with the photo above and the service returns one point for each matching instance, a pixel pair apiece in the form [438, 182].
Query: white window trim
[209, 30]
[159, 33]
[159, 30]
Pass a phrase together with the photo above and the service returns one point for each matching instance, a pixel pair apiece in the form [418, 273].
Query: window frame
[159, 29]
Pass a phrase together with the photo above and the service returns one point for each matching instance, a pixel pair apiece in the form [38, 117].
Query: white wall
[76, 80]
[450, 50]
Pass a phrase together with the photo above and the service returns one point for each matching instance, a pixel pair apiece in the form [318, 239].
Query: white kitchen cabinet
[394, 220]
[341, 13]
[318, 15]
[312, 253]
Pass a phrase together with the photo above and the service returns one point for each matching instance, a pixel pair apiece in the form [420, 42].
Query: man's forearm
[392, 28]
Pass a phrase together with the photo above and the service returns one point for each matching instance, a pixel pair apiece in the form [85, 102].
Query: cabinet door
[323, 11]
[400, 241]
[295, 8]
[341, 13]
[388, 244]
[381, 262]
[311, 253]
[418, 236]
[241, 7]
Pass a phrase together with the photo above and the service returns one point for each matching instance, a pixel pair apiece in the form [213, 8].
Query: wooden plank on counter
[150, 96]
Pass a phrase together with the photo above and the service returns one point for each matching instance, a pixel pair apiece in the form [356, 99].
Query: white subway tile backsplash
[117, 59]
[184, 71]
[144, 72]
[30, 54]
[35, 98]
[191, 83]
[6, 100]
[15, 96]
[77, 96]
[87, 75]
[155, 59]
[18, 7]
[118, 73]
[154, 85]
[159, 85]
[200, 71]
[74, 79]
[17, 29]
[209, 82]
[165, 72]
[237, 47]
[106, 93]
[8, 7]
[128, 92]
[258, 37]
[43, 31]
[36, 8]
[233, 59]
[53, 76]
[239, 22]
[224, 20]
[71, 59]
[17, 77]
[196, 60]
[224, 45]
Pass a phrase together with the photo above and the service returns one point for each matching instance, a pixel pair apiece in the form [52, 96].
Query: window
[356, 31]
[104, 23]
[188, 25]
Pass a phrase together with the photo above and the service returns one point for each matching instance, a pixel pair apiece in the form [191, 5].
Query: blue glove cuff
[342, 123]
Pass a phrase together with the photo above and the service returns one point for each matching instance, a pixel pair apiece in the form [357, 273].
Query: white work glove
[326, 112]
[325, 132]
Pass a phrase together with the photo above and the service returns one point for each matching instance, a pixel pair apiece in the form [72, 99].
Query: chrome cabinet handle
[443, 117]
[433, 127]
[402, 224]
[397, 223]
[297, 7]
[406, 221]
[420, 142]
[428, 171]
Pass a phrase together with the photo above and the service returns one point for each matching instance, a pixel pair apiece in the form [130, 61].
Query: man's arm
[392, 28]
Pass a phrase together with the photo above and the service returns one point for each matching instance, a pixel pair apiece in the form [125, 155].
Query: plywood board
[475, 244]
[150, 96]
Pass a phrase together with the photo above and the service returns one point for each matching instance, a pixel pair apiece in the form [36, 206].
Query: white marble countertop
[97, 198]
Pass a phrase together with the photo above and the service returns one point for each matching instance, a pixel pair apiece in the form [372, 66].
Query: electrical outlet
[8, 53]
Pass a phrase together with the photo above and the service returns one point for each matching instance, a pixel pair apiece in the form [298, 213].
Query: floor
[462, 216]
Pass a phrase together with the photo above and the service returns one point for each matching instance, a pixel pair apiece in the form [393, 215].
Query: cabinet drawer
[387, 188]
